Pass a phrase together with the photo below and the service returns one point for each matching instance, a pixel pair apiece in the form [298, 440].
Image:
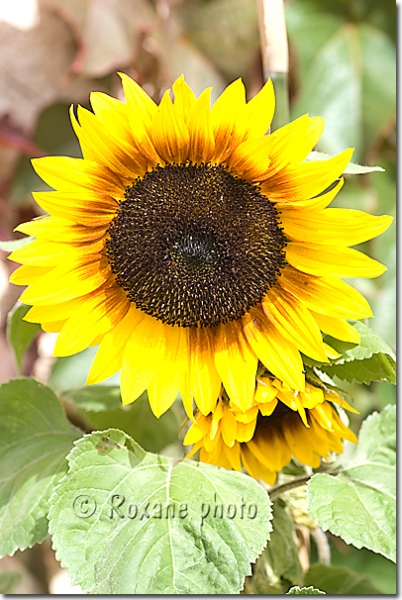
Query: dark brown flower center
[194, 245]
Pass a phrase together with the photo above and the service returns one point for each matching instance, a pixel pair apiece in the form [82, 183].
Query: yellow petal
[245, 431]
[109, 357]
[143, 355]
[311, 396]
[202, 141]
[317, 259]
[233, 456]
[229, 428]
[228, 120]
[184, 98]
[169, 132]
[265, 392]
[291, 143]
[164, 387]
[28, 274]
[332, 396]
[250, 159]
[100, 146]
[61, 229]
[142, 110]
[95, 316]
[53, 327]
[80, 207]
[73, 174]
[331, 353]
[255, 468]
[305, 180]
[236, 364]
[333, 226]
[193, 435]
[327, 296]
[294, 321]
[260, 110]
[66, 282]
[289, 207]
[339, 329]
[299, 440]
[56, 312]
[277, 354]
[50, 254]
[205, 383]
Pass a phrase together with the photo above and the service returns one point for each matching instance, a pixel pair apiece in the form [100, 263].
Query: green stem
[278, 490]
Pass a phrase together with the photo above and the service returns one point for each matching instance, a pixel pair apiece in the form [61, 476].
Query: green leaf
[351, 169]
[9, 581]
[304, 590]
[359, 504]
[339, 580]
[125, 521]
[11, 245]
[281, 551]
[95, 398]
[340, 60]
[71, 372]
[101, 406]
[371, 360]
[375, 567]
[20, 334]
[35, 438]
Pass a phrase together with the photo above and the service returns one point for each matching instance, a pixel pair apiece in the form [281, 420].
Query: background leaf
[339, 580]
[9, 581]
[35, 438]
[130, 544]
[101, 406]
[359, 504]
[371, 360]
[281, 551]
[20, 334]
[341, 57]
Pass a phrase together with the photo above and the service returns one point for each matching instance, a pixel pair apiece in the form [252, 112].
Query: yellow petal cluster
[281, 423]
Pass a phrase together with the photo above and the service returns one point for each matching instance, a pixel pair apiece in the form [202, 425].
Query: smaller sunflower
[281, 423]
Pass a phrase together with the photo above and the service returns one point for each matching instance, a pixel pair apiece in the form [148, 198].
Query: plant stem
[275, 55]
[278, 490]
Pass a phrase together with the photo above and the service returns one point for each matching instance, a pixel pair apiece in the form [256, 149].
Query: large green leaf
[371, 360]
[35, 438]
[125, 521]
[359, 503]
[339, 580]
[347, 73]
[20, 333]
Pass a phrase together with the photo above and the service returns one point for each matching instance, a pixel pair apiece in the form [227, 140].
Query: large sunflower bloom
[190, 245]
[281, 423]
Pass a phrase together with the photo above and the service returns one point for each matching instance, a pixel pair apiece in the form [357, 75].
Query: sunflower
[280, 424]
[189, 245]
